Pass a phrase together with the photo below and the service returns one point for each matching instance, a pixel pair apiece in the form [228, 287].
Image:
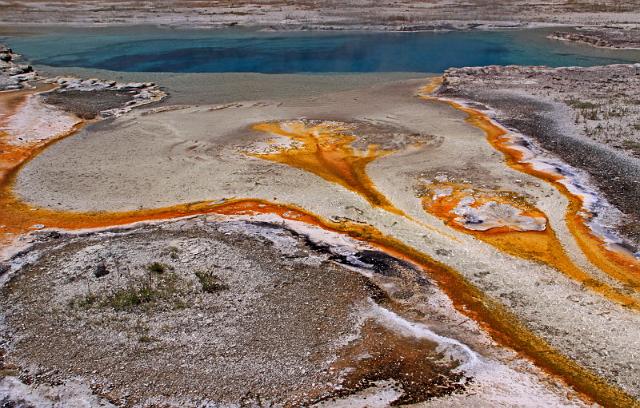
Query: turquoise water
[147, 49]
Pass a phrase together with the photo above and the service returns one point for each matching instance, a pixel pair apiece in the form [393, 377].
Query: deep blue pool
[144, 49]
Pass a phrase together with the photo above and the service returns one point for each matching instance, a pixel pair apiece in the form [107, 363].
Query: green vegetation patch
[578, 104]
[157, 267]
[139, 294]
[210, 283]
[173, 252]
[160, 287]
[87, 301]
[131, 297]
[631, 145]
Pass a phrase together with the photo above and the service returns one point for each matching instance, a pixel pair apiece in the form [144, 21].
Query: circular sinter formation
[163, 311]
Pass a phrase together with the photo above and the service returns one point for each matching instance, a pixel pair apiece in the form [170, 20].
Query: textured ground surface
[335, 14]
[163, 156]
[604, 37]
[210, 302]
[150, 315]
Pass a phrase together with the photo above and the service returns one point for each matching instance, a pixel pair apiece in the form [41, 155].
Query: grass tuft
[578, 104]
[86, 302]
[131, 297]
[631, 145]
[165, 289]
[210, 283]
[157, 267]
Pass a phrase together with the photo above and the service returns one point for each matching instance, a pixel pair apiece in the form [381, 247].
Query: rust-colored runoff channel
[619, 265]
[537, 245]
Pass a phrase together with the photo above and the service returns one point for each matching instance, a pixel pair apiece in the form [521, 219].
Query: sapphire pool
[153, 49]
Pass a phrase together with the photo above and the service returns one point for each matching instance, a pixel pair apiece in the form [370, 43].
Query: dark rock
[54, 235]
[4, 268]
[379, 262]
[101, 270]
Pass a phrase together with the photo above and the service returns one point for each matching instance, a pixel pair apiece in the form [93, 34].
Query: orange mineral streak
[10, 155]
[540, 246]
[14, 152]
[325, 149]
[619, 265]
[17, 217]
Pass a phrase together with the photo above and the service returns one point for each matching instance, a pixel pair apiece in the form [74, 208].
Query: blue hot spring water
[151, 49]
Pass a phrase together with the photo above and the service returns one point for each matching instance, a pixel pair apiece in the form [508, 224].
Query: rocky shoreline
[92, 97]
[616, 38]
[85, 98]
[13, 74]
